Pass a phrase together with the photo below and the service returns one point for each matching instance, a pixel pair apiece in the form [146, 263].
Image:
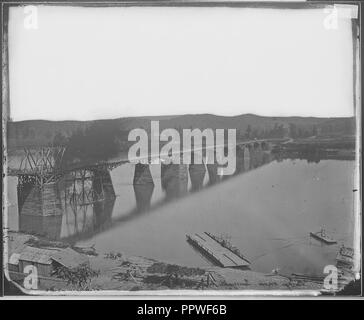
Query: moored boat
[323, 237]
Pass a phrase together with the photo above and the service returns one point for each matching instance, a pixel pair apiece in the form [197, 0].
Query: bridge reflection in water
[81, 204]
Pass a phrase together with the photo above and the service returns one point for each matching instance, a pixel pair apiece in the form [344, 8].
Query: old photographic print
[181, 148]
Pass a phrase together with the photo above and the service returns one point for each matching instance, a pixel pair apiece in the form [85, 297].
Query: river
[267, 211]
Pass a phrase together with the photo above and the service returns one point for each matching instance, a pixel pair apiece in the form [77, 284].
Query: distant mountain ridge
[43, 132]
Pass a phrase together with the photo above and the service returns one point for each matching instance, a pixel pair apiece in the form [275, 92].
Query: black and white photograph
[182, 148]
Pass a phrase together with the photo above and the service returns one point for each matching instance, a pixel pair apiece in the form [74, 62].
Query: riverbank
[121, 272]
[316, 148]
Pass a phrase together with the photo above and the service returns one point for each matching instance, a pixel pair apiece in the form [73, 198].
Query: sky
[75, 63]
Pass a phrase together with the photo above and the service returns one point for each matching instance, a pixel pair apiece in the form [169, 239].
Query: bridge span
[48, 206]
[44, 164]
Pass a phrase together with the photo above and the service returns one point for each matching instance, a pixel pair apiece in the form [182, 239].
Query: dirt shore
[121, 272]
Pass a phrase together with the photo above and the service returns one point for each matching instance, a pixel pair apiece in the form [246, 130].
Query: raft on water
[323, 237]
[219, 254]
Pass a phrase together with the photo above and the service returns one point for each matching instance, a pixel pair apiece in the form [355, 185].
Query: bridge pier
[240, 150]
[266, 158]
[266, 146]
[197, 175]
[246, 158]
[258, 154]
[24, 187]
[143, 195]
[143, 185]
[253, 158]
[142, 174]
[174, 179]
[257, 146]
[212, 172]
[39, 200]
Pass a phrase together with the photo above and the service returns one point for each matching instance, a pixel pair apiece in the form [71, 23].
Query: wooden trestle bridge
[46, 185]
[45, 165]
[40, 169]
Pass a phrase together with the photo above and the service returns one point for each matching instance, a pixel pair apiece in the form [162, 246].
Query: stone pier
[39, 200]
[197, 175]
[174, 179]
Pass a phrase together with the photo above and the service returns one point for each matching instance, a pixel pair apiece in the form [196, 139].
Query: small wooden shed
[40, 258]
[46, 259]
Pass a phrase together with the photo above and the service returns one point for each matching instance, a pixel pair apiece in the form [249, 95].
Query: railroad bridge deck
[47, 161]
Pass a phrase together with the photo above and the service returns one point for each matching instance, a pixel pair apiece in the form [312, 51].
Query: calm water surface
[268, 212]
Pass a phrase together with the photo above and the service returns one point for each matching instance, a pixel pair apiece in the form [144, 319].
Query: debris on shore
[67, 269]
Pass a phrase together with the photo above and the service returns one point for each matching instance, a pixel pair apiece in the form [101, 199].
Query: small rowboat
[323, 237]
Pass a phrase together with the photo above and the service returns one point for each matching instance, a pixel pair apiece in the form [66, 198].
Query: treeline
[299, 132]
[104, 139]
[278, 131]
[34, 133]
[100, 141]
[292, 130]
